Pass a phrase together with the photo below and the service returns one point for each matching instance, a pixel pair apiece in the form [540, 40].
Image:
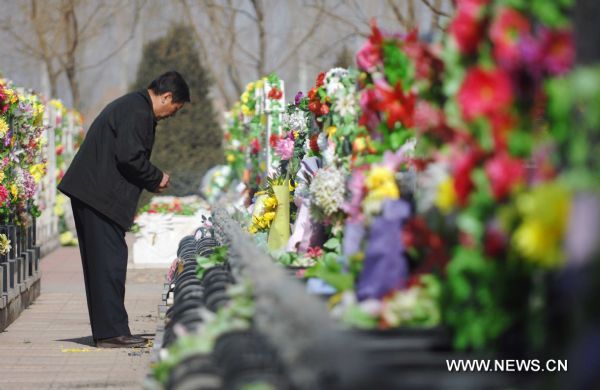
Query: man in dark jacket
[104, 182]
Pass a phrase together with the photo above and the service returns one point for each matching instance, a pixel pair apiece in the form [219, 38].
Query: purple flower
[385, 267]
[8, 138]
[298, 97]
[353, 236]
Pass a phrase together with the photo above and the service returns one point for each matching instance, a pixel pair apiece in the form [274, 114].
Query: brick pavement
[49, 345]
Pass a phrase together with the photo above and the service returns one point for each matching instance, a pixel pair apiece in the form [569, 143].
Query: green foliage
[397, 67]
[187, 145]
[218, 257]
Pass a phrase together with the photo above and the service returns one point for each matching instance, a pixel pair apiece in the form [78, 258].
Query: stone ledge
[19, 299]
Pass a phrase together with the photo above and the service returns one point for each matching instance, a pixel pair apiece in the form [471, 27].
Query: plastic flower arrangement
[399, 92]
[5, 246]
[498, 59]
[21, 144]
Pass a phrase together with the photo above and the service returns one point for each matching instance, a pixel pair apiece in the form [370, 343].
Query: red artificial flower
[320, 79]
[504, 173]
[427, 65]
[254, 146]
[369, 56]
[314, 145]
[273, 139]
[396, 104]
[502, 124]
[368, 105]
[314, 107]
[431, 120]
[466, 27]
[275, 93]
[463, 166]
[484, 93]
[494, 241]
[312, 93]
[559, 51]
[506, 32]
[324, 109]
[314, 252]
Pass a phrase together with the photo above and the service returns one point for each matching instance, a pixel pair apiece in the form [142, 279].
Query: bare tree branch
[436, 8]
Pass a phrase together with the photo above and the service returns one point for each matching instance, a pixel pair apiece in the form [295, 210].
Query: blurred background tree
[187, 145]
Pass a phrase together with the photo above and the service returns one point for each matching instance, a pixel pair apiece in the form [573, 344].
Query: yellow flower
[11, 96]
[331, 131]
[1, 176]
[380, 180]
[388, 190]
[269, 216]
[446, 196]
[230, 158]
[296, 134]
[261, 83]
[14, 190]
[247, 111]
[245, 97]
[271, 203]
[253, 229]
[250, 87]
[545, 212]
[37, 171]
[3, 127]
[59, 210]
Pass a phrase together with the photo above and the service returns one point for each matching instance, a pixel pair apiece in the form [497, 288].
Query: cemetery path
[50, 345]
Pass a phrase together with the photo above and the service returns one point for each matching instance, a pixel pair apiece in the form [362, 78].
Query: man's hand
[164, 183]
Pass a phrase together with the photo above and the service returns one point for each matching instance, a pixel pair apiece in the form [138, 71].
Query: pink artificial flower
[314, 252]
[506, 32]
[559, 51]
[504, 173]
[466, 28]
[285, 148]
[3, 195]
[463, 166]
[484, 93]
[357, 190]
[369, 56]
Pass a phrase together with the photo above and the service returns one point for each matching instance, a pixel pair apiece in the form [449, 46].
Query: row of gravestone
[239, 357]
[19, 267]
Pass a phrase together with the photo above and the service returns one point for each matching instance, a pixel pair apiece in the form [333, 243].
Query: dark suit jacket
[113, 165]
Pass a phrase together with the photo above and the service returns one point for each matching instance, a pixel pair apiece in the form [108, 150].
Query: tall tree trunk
[262, 37]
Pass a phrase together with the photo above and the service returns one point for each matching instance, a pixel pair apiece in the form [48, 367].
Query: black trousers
[104, 259]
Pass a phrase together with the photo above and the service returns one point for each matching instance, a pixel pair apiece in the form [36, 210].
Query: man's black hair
[173, 82]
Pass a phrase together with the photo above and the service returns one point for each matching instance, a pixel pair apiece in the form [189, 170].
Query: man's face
[166, 108]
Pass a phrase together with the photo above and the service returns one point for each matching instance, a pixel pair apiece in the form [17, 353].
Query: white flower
[327, 190]
[295, 121]
[345, 105]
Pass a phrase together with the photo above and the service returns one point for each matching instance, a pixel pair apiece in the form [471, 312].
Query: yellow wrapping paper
[279, 234]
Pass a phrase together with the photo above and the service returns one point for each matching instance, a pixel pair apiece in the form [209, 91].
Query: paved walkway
[50, 346]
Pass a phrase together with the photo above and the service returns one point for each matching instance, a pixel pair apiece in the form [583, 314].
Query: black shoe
[122, 342]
